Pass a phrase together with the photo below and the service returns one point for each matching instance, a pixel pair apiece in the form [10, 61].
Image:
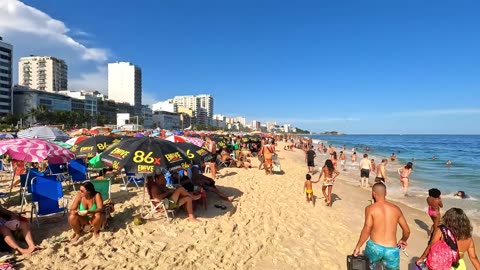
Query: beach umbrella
[63, 144]
[93, 145]
[196, 141]
[196, 154]
[78, 132]
[76, 140]
[175, 138]
[44, 133]
[6, 136]
[96, 162]
[178, 132]
[146, 155]
[35, 150]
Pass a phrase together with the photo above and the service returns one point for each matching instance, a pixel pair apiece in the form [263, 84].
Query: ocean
[428, 154]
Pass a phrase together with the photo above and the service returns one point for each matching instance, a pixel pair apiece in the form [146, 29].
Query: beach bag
[358, 262]
[444, 253]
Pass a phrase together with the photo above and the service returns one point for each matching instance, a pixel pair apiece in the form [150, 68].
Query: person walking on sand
[310, 159]
[404, 173]
[309, 189]
[268, 152]
[456, 221]
[381, 173]
[329, 174]
[365, 167]
[380, 229]
[343, 160]
[434, 202]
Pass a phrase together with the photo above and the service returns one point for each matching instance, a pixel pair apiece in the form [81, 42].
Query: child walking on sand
[434, 202]
[308, 189]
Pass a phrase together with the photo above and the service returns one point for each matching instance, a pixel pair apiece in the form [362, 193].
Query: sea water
[428, 153]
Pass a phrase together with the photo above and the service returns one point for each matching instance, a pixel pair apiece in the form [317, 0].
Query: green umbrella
[96, 162]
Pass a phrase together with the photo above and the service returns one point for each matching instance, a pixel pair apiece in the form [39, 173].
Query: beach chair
[77, 170]
[46, 193]
[59, 170]
[157, 206]
[104, 188]
[134, 178]
[26, 185]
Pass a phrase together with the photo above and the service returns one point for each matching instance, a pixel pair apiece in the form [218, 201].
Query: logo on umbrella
[173, 157]
[119, 153]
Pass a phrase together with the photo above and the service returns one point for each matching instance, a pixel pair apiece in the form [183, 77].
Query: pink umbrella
[196, 141]
[35, 150]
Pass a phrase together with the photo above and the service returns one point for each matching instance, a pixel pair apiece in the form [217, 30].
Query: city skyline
[318, 66]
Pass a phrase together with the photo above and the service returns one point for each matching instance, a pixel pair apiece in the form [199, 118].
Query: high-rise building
[6, 54]
[165, 106]
[44, 73]
[125, 84]
[201, 105]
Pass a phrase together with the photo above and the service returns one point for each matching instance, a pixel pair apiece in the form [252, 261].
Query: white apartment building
[201, 105]
[45, 73]
[256, 125]
[165, 106]
[6, 75]
[125, 84]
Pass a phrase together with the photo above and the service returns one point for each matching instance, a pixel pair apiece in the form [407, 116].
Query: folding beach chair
[59, 170]
[134, 178]
[104, 188]
[26, 185]
[158, 206]
[46, 193]
[77, 170]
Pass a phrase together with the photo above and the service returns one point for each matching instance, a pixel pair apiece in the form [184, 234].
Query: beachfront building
[219, 120]
[125, 84]
[147, 116]
[27, 100]
[45, 73]
[6, 77]
[255, 125]
[166, 106]
[89, 101]
[166, 120]
[201, 106]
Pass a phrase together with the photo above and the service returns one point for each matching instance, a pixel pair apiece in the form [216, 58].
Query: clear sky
[388, 67]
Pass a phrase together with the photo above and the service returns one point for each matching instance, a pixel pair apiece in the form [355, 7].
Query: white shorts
[342, 162]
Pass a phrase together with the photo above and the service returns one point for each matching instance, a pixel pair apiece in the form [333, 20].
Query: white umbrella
[44, 133]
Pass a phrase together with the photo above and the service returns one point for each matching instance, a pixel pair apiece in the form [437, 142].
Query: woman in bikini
[334, 159]
[434, 202]
[404, 173]
[91, 201]
[329, 174]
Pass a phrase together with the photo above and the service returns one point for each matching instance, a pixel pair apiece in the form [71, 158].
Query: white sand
[268, 226]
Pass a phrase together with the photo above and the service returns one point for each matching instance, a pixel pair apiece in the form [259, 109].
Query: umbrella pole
[11, 183]
[145, 179]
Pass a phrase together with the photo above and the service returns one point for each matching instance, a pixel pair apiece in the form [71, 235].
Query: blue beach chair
[46, 193]
[77, 170]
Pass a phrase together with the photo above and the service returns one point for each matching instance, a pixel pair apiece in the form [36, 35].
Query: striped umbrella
[44, 133]
[35, 150]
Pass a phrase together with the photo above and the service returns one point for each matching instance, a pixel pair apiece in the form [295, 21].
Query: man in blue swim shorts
[380, 229]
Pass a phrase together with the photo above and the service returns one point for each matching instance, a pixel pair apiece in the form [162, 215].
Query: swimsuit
[328, 181]
[309, 191]
[92, 208]
[390, 256]
[432, 212]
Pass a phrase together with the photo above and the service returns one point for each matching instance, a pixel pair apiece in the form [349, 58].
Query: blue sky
[354, 66]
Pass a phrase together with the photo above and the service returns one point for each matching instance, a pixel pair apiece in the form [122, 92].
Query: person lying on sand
[9, 222]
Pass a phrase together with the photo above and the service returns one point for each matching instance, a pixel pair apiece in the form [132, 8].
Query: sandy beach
[268, 226]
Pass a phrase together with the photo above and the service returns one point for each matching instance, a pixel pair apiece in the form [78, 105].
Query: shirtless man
[365, 167]
[381, 174]
[381, 220]
[331, 149]
[310, 159]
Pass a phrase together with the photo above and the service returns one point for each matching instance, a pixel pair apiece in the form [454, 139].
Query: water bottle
[421, 266]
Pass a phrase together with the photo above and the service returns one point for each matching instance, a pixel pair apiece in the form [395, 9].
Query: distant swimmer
[448, 163]
[461, 194]
[393, 157]
[434, 158]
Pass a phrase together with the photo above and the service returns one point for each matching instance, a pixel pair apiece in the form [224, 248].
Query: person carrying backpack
[449, 242]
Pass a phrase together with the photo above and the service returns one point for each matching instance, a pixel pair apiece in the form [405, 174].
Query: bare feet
[24, 251]
[230, 199]
[96, 235]
[192, 218]
[76, 237]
